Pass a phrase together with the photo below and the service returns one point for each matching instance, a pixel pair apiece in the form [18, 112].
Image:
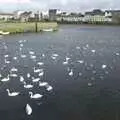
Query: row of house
[95, 16]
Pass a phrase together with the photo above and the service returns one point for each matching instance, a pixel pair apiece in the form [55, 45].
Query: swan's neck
[8, 92]
[31, 94]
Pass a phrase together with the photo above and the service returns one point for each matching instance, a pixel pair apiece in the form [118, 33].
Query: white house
[6, 16]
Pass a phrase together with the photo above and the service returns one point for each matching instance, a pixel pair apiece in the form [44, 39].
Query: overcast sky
[67, 5]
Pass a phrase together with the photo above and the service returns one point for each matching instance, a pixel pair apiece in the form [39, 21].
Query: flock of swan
[38, 69]
[14, 73]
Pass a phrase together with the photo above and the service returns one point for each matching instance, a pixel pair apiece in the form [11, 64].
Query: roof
[10, 14]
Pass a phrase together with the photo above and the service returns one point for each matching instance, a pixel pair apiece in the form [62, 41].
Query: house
[70, 18]
[114, 15]
[53, 13]
[6, 16]
[28, 16]
[97, 16]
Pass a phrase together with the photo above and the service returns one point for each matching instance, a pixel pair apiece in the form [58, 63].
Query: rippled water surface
[75, 70]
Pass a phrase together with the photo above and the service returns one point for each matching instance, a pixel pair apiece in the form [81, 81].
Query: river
[80, 63]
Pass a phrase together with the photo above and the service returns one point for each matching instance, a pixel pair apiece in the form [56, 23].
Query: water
[90, 92]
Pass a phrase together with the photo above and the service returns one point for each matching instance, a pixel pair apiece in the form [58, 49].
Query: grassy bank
[27, 27]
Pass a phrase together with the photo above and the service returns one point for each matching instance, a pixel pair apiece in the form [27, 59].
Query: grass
[26, 27]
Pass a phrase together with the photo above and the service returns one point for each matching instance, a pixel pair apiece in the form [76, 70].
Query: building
[114, 15]
[70, 18]
[53, 13]
[97, 16]
[6, 16]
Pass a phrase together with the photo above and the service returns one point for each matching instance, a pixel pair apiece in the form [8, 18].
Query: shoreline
[29, 27]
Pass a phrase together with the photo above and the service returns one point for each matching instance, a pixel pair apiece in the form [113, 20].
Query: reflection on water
[70, 74]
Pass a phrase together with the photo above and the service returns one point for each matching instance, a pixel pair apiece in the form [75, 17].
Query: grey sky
[69, 5]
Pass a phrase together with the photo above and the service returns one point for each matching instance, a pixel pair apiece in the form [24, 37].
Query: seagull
[35, 96]
[6, 79]
[28, 109]
[71, 73]
[35, 79]
[13, 93]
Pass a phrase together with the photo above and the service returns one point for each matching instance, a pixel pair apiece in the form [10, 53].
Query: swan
[40, 63]
[80, 61]
[41, 73]
[71, 73]
[35, 96]
[36, 70]
[13, 75]
[21, 45]
[42, 84]
[33, 57]
[23, 56]
[14, 58]
[14, 69]
[104, 66]
[35, 79]
[27, 86]
[6, 56]
[28, 109]
[31, 52]
[13, 93]
[66, 62]
[49, 88]
[21, 78]
[28, 75]
[7, 62]
[6, 79]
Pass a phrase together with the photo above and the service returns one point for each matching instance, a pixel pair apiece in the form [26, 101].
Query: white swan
[23, 56]
[42, 84]
[33, 57]
[28, 109]
[13, 93]
[6, 79]
[14, 69]
[7, 62]
[15, 58]
[37, 70]
[35, 96]
[41, 73]
[6, 56]
[35, 79]
[71, 73]
[49, 88]
[27, 86]
[40, 63]
[104, 66]
[13, 75]
[28, 75]
[21, 78]
[31, 52]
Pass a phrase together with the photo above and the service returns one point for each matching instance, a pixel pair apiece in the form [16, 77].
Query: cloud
[69, 5]
[14, 1]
